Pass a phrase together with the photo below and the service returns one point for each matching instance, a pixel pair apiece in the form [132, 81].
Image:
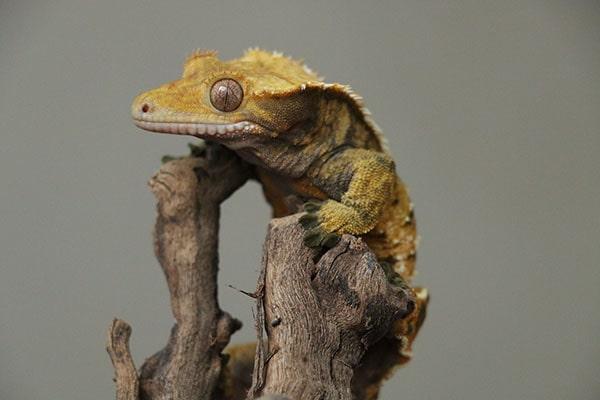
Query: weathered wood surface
[189, 192]
[117, 345]
[318, 312]
[322, 313]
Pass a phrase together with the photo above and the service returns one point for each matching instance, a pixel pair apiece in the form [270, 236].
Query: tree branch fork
[320, 317]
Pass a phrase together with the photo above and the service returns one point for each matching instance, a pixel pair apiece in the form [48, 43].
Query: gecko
[314, 147]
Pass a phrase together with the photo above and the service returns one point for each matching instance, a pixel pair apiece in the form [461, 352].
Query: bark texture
[189, 192]
[322, 313]
[321, 316]
[117, 346]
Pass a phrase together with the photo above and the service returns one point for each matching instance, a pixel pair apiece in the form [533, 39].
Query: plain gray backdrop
[492, 110]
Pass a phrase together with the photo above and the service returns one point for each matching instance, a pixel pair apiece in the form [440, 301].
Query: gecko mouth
[199, 129]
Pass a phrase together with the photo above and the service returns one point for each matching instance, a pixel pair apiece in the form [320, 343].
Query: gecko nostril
[145, 108]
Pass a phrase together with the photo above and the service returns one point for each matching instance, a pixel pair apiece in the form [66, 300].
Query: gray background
[492, 109]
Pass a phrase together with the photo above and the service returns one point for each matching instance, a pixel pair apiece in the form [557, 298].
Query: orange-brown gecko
[312, 144]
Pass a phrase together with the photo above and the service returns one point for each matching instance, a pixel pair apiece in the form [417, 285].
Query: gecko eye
[226, 95]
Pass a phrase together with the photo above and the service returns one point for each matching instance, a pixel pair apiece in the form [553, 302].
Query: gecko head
[260, 95]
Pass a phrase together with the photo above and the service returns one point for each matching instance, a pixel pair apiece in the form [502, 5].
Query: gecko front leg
[360, 183]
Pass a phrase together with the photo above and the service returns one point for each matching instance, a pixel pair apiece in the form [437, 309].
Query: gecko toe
[197, 149]
[166, 158]
[309, 221]
[312, 206]
[313, 238]
[331, 239]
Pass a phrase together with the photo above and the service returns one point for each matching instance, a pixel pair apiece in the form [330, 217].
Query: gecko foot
[196, 150]
[315, 236]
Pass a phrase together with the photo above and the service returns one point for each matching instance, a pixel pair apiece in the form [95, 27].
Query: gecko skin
[311, 143]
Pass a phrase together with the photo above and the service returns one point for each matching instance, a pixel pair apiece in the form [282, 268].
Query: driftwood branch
[321, 316]
[321, 311]
[189, 192]
[126, 377]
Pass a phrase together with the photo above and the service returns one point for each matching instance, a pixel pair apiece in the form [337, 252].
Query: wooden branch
[118, 348]
[321, 313]
[189, 192]
[320, 316]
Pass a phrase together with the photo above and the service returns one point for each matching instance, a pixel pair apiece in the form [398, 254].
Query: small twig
[271, 354]
[117, 346]
[252, 295]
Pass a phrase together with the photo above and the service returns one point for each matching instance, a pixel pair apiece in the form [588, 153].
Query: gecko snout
[142, 107]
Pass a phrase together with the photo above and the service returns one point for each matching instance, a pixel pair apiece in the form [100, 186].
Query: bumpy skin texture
[311, 143]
